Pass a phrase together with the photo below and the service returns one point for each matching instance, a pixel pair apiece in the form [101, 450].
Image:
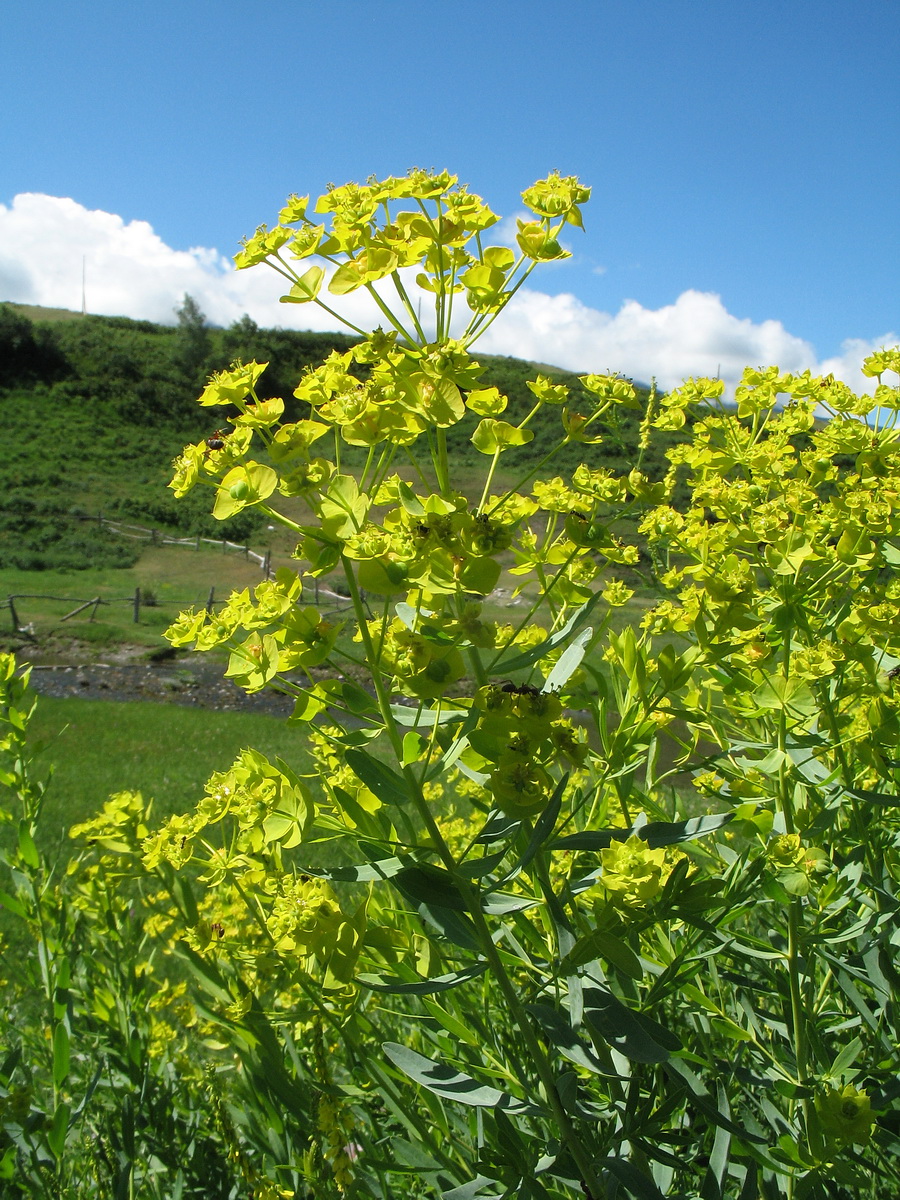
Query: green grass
[37, 312]
[97, 747]
[178, 576]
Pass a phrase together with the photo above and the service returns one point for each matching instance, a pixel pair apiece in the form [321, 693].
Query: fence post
[317, 589]
[198, 542]
[137, 605]
[211, 600]
[94, 609]
[267, 561]
[14, 616]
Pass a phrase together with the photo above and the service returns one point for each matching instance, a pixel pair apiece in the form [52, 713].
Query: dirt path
[188, 682]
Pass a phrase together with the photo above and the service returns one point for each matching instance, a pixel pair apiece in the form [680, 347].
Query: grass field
[177, 576]
[96, 747]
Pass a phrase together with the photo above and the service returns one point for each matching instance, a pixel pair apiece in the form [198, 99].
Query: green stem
[487, 483]
[471, 898]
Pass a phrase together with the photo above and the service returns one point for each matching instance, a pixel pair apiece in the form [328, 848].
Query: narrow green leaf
[656, 833]
[881, 799]
[704, 1101]
[474, 868]
[453, 1025]
[430, 885]
[60, 1054]
[56, 1137]
[474, 1190]
[450, 1084]
[379, 778]
[27, 849]
[846, 1058]
[559, 1031]
[529, 657]
[407, 714]
[632, 1179]
[714, 1182]
[568, 662]
[385, 868]
[543, 826]
[395, 985]
[608, 947]
[633, 1034]
[11, 904]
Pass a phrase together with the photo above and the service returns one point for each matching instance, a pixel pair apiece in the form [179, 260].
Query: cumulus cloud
[694, 336]
[131, 271]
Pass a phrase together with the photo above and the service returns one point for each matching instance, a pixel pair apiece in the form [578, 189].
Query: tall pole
[83, 299]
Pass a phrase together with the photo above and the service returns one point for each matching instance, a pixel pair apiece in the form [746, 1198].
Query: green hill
[94, 409]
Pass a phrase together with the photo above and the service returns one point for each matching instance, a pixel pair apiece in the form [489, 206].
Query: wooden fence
[158, 537]
[137, 601]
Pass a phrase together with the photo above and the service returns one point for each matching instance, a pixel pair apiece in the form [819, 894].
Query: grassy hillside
[94, 409]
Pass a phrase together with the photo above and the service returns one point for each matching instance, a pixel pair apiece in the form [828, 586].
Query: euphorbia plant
[500, 867]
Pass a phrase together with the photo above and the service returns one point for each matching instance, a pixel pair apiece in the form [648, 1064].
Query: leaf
[634, 1180]
[379, 778]
[12, 905]
[498, 903]
[607, 946]
[27, 848]
[704, 1101]
[207, 975]
[395, 985]
[568, 662]
[656, 834]
[529, 657]
[411, 504]
[846, 1058]
[407, 715]
[60, 1054]
[56, 1137]
[632, 1034]
[881, 799]
[543, 826]
[450, 1084]
[385, 868]
[474, 1190]
[430, 885]
[555, 1024]
[456, 927]
[714, 1183]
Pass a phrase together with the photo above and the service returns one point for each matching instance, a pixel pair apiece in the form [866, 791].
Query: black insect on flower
[519, 689]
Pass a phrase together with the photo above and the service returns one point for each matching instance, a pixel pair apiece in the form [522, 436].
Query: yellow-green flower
[846, 1115]
[633, 874]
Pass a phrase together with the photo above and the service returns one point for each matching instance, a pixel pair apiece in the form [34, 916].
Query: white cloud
[130, 271]
[694, 336]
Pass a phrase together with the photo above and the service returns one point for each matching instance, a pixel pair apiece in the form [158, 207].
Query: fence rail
[158, 537]
[138, 601]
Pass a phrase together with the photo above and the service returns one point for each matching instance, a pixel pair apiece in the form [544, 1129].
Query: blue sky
[749, 151]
